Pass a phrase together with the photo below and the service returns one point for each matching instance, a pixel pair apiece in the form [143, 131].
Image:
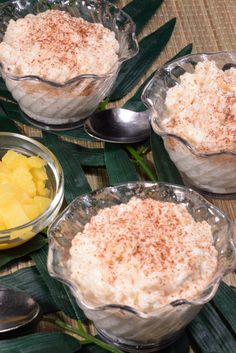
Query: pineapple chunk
[13, 215]
[40, 188]
[23, 179]
[13, 159]
[35, 162]
[39, 174]
[23, 191]
[42, 203]
[6, 194]
[31, 210]
[5, 173]
[2, 225]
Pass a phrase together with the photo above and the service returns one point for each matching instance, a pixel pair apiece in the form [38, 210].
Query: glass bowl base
[51, 127]
[135, 348]
[208, 194]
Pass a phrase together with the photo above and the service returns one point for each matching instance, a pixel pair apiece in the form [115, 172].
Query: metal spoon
[17, 309]
[119, 125]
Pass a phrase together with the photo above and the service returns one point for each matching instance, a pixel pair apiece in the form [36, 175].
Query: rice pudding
[144, 254]
[57, 47]
[202, 108]
[197, 118]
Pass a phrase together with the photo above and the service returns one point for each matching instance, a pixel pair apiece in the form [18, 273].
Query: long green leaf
[29, 280]
[5, 123]
[210, 333]
[180, 346]
[75, 180]
[23, 250]
[185, 51]
[41, 343]
[141, 11]
[89, 157]
[60, 292]
[119, 167]
[225, 303]
[149, 49]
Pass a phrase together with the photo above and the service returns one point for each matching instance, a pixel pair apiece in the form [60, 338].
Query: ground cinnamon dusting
[144, 253]
[202, 108]
[57, 46]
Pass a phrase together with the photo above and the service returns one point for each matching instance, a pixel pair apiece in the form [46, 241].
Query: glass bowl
[122, 325]
[29, 147]
[209, 172]
[51, 105]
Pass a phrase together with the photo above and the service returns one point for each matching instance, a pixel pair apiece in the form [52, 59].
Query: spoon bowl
[119, 125]
[17, 309]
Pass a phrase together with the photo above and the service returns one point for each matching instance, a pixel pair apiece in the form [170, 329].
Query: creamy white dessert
[144, 254]
[58, 47]
[202, 108]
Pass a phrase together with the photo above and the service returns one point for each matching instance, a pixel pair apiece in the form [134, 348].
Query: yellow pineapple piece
[42, 203]
[31, 210]
[25, 233]
[5, 173]
[39, 174]
[23, 191]
[6, 194]
[2, 225]
[20, 194]
[13, 159]
[35, 162]
[23, 179]
[41, 190]
[13, 215]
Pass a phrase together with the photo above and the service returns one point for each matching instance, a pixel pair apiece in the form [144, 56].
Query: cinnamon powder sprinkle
[145, 253]
[57, 46]
[202, 108]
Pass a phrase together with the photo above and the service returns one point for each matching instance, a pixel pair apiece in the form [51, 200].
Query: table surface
[211, 26]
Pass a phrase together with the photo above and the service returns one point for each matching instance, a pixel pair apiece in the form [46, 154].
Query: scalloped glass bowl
[210, 172]
[121, 325]
[30, 147]
[63, 106]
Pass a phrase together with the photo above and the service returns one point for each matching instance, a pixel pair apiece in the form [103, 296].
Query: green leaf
[185, 51]
[149, 49]
[135, 103]
[59, 292]
[41, 343]
[5, 123]
[210, 333]
[180, 346]
[29, 280]
[141, 11]
[165, 168]
[75, 179]
[119, 167]
[225, 303]
[10, 255]
[89, 157]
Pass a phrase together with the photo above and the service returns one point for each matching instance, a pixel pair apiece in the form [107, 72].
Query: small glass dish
[125, 326]
[213, 173]
[29, 147]
[55, 106]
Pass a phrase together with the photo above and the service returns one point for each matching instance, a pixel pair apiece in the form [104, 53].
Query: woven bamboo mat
[211, 26]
